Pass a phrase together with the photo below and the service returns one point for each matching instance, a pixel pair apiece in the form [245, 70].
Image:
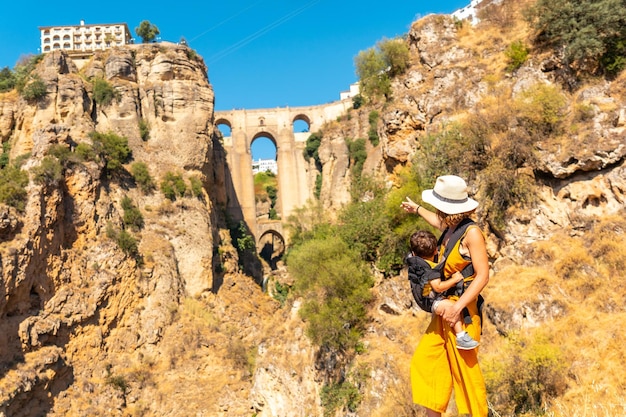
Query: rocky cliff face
[83, 324]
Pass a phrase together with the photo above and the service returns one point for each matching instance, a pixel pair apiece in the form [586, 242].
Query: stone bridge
[296, 181]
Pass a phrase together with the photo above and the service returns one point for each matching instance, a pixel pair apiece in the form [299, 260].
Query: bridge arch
[268, 135]
[221, 124]
[299, 121]
[296, 176]
[271, 246]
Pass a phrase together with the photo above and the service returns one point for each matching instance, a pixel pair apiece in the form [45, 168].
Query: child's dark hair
[423, 244]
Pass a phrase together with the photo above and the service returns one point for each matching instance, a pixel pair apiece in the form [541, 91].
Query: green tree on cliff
[147, 31]
[590, 34]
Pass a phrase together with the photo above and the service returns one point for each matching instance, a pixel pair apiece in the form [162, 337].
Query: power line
[243, 42]
[228, 19]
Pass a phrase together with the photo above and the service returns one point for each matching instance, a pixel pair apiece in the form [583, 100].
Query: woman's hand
[451, 314]
[409, 205]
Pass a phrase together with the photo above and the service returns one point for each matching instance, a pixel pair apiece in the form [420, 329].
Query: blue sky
[259, 53]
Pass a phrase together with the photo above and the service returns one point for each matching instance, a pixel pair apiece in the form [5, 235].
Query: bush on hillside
[23, 70]
[541, 110]
[376, 66]
[103, 92]
[132, 215]
[335, 285]
[372, 133]
[196, 187]
[396, 55]
[141, 174]
[7, 80]
[371, 70]
[312, 146]
[357, 151]
[589, 34]
[173, 186]
[524, 377]
[111, 148]
[13, 182]
[516, 53]
[144, 130]
[455, 150]
[34, 89]
[50, 171]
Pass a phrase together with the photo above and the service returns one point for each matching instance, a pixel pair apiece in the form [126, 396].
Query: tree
[370, 68]
[376, 66]
[147, 31]
[7, 80]
[590, 33]
[396, 55]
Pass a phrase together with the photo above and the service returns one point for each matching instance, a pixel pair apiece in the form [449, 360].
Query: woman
[437, 366]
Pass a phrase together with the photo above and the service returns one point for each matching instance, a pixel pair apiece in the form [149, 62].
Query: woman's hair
[453, 219]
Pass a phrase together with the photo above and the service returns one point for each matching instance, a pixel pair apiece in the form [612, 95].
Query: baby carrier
[421, 272]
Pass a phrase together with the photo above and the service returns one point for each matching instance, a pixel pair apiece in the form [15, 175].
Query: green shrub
[311, 149]
[118, 382]
[103, 92]
[244, 240]
[372, 134]
[144, 130]
[132, 215]
[318, 185]
[503, 188]
[280, 293]
[13, 182]
[4, 157]
[7, 80]
[396, 55]
[140, 173]
[376, 66]
[335, 286]
[23, 69]
[588, 33]
[338, 396]
[517, 53]
[541, 110]
[127, 243]
[35, 89]
[364, 225]
[173, 186]
[196, 187]
[49, 171]
[85, 152]
[371, 68]
[525, 376]
[452, 151]
[113, 149]
[358, 154]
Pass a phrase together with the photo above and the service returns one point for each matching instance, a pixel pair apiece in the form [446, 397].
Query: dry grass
[586, 275]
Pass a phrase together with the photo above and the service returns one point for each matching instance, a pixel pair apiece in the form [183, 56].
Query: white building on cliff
[263, 165]
[84, 39]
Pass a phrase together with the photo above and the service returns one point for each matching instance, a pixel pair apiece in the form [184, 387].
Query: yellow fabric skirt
[438, 366]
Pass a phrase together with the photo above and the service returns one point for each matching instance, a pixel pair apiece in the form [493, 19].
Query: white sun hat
[450, 195]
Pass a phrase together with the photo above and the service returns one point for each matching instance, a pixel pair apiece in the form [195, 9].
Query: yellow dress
[438, 366]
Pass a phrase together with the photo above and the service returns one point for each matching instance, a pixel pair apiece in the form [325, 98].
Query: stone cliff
[86, 328]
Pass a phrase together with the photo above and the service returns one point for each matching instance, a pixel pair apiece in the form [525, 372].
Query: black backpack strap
[456, 236]
[458, 233]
